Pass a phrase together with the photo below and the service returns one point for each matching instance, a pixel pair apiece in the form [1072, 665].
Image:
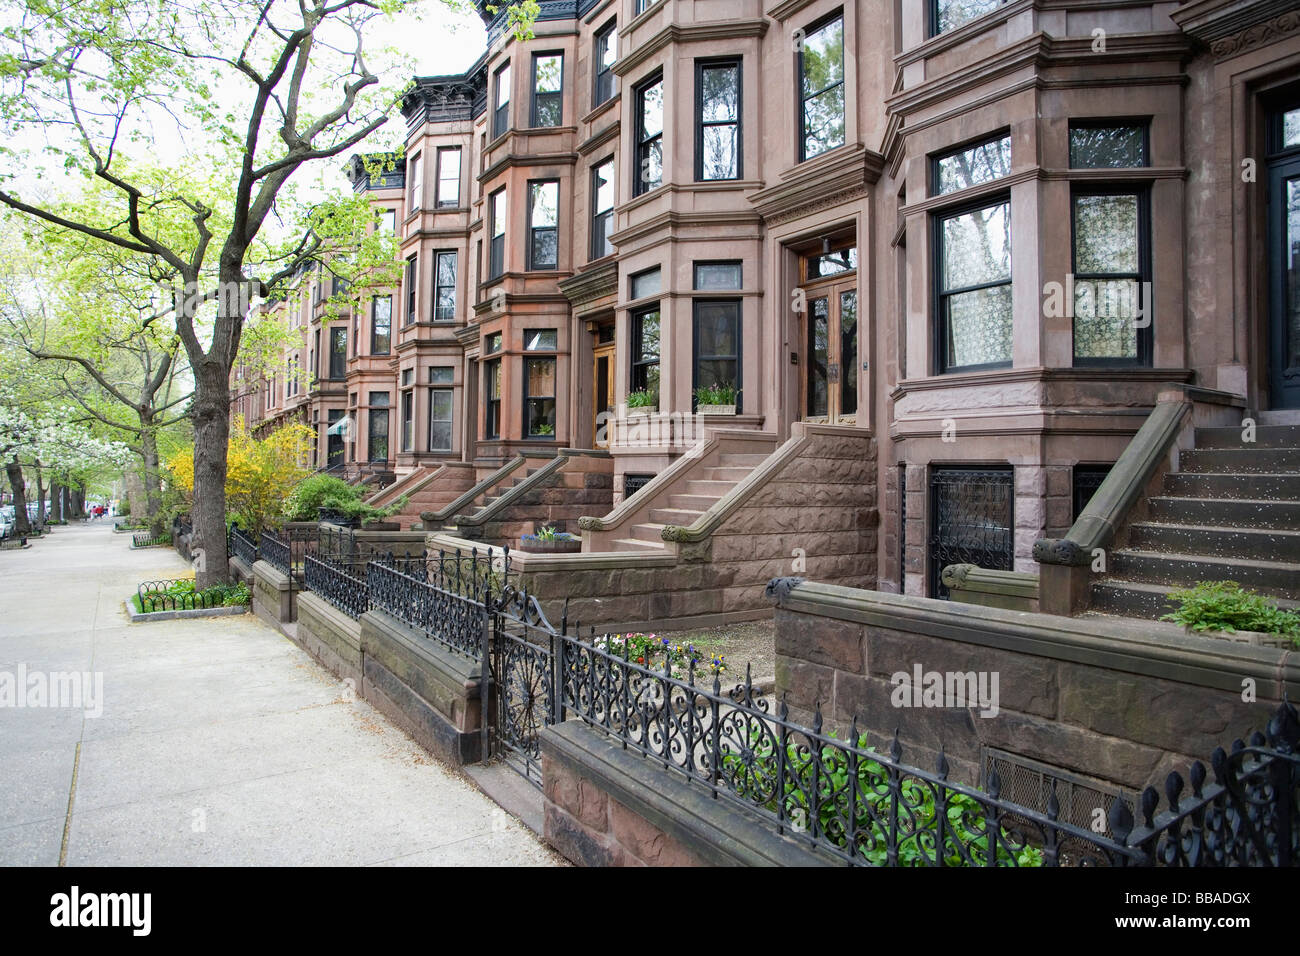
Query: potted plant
[1226, 610]
[547, 540]
[544, 431]
[643, 401]
[716, 399]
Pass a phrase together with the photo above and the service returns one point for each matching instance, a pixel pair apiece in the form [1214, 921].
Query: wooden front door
[602, 399]
[831, 345]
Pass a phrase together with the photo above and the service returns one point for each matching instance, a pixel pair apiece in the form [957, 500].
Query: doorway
[1284, 258]
[602, 376]
[830, 335]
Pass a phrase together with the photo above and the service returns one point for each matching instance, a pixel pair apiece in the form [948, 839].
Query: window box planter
[715, 409]
[560, 544]
[641, 410]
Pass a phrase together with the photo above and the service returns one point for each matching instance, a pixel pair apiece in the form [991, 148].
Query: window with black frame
[501, 101]
[415, 179]
[338, 352]
[649, 153]
[948, 15]
[1110, 248]
[497, 242]
[408, 420]
[548, 89]
[539, 397]
[444, 286]
[821, 88]
[377, 434]
[973, 249]
[412, 271]
[448, 176]
[543, 224]
[602, 209]
[381, 324]
[645, 351]
[717, 120]
[605, 55]
[440, 408]
[717, 347]
[492, 414]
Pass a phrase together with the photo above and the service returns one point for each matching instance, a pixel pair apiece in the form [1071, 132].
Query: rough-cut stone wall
[1127, 726]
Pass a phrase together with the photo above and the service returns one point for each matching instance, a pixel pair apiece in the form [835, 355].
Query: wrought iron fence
[864, 807]
[520, 651]
[147, 540]
[338, 583]
[243, 546]
[971, 520]
[448, 599]
[275, 552]
[179, 594]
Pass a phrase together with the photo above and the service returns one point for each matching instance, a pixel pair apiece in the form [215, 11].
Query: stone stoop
[1230, 513]
[436, 488]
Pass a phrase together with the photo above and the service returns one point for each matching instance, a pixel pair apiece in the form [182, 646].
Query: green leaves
[1227, 606]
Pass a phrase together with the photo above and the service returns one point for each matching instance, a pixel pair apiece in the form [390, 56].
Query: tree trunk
[56, 500]
[15, 474]
[78, 502]
[40, 493]
[152, 486]
[135, 494]
[211, 415]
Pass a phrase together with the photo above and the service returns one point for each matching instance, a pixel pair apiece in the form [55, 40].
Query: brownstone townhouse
[855, 291]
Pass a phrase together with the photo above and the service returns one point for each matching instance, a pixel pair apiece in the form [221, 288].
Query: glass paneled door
[831, 339]
[1284, 261]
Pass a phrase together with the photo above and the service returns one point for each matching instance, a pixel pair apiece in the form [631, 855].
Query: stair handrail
[508, 496]
[446, 511]
[647, 492]
[1111, 503]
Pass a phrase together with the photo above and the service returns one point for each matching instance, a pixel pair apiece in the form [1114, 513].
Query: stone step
[1260, 544]
[1280, 579]
[648, 532]
[714, 489]
[636, 544]
[678, 516]
[700, 503]
[741, 460]
[1226, 512]
[730, 475]
[1136, 599]
[1266, 436]
[1240, 460]
[1273, 487]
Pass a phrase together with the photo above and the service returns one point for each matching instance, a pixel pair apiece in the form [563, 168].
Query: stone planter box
[382, 526]
[641, 410]
[715, 409]
[138, 618]
[561, 546]
[328, 515]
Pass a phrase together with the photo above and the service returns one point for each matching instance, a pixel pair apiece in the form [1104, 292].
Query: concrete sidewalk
[220, 742]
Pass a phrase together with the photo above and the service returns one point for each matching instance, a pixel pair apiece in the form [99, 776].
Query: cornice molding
[675, 33]
[595, 283]
[841, 175]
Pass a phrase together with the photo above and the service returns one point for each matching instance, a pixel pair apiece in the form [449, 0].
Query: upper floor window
[1111, 268]
[717, 112]
[387, 222]
[501, 109]
[645, 283]
[821, 89]
[412, 271]
[973, 248]
[641, 6]
[602, 209]
[338, 352]
[649, 136]
[606, 54]
[543, 224]
[645, 351]
[497, 243]
[1108, 146]
[444, 286]
[416, 179]
[711, 276]
[540, 340]
[548, 89]
[449, 176]
[971, 165]
[948, 15]
[381, 324]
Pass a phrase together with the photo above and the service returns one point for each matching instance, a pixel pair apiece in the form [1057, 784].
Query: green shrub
[1227, 606]
[357, 508]
[643, 398]
[309, 496]
[180, 595]
[124, 508]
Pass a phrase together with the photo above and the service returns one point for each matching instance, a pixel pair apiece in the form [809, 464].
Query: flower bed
[180, 594]
[650, 650]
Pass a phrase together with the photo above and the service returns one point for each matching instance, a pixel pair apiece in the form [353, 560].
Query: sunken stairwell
[1230, 513]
